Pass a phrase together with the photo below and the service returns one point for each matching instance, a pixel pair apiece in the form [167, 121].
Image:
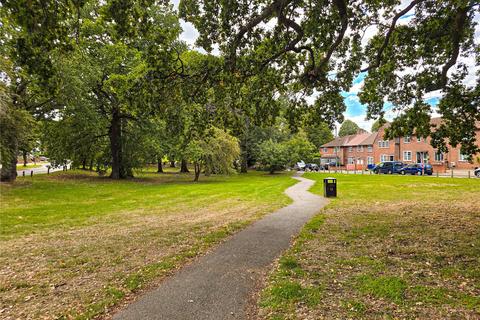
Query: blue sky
[357, 111]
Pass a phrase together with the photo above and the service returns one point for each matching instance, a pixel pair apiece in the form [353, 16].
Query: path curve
[218, 285]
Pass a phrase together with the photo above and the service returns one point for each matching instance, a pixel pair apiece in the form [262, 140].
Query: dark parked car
[417, 168]
[389, 167]
[311, 167]
[477, 172]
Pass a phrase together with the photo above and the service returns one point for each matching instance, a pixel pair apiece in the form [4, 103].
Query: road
[39, 170]
[456, 173]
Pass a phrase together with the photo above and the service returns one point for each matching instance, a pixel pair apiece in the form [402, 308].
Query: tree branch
[267, 12]
[378, 59]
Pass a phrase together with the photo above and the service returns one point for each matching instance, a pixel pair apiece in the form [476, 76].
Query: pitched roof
[337, 142]
[370, 139]
[357, 139]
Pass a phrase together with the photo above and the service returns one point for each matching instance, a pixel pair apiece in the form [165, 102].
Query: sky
[355, 110]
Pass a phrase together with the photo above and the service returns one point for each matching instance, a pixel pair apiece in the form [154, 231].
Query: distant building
[359, 150]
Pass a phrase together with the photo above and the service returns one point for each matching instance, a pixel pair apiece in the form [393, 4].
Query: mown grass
[75, 244]
[386, 247]
[70, 199]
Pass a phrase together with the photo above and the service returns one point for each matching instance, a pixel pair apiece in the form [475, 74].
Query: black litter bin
[329, 187]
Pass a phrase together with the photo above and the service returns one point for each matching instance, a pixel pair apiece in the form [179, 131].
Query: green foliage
[348, 127]
[319, 134]
[278, 155]
[300, 148]
[319, 48]
[376, 125]
[216, 153]
[273, 155]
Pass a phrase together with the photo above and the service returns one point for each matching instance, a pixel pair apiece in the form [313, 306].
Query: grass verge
[388, 247]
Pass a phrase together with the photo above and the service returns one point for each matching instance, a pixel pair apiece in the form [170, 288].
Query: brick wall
[380, 149]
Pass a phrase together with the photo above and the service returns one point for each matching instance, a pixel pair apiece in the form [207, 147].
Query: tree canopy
[112, 86]
[319, 46]
[348, 127]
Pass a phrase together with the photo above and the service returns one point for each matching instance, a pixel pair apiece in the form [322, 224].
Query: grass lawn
[20, 166]
[74, 244]
[389, 247]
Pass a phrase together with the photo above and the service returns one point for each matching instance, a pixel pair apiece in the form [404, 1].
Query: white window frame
[438, 156]
[350, 160]
[370, 160]
[370, 148]
[384, 157]
[336, 149]
[359, 148]
[407, 155]
[407, 139]
[350, 149]
[325, 150]
[384, 144]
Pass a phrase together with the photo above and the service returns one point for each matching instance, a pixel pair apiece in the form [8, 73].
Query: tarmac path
[218, 285]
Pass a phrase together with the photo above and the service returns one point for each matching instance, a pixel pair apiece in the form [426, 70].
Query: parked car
[417, 168]
[389, 167]
[311, 167]
[300, 165]
[477, 172]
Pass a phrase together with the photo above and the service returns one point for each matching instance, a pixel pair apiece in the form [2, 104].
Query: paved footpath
[219, 284]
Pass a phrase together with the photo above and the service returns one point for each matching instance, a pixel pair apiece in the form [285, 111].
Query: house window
[336, 149]
[407, 155]
[383, 143]
[463, 157]
[359, 148]
[438, 156]
[406, 139]
[370, 148]
[325, 150]
[419, 139]
[350, 149]
[350, 160]
[369, 160]
[384, 157]
[360, 161]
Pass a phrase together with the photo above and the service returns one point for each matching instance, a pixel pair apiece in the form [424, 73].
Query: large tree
[30, 34]
[348, 127]
[317, 45]
[319, 134]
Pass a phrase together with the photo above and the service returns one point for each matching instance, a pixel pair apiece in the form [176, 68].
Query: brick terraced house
[356, 152]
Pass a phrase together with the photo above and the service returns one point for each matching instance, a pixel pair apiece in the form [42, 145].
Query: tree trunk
[91, 165]
[159, 165]
[184, 167]
[115, 135]
[197, 171]
[24, 154]
[84, 164]
[172, 163]
[244, 162]
[272, 169]
[8, 173]
[243, 148]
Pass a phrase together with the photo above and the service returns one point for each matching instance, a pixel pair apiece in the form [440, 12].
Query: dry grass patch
[374, 256]
[79, 263]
